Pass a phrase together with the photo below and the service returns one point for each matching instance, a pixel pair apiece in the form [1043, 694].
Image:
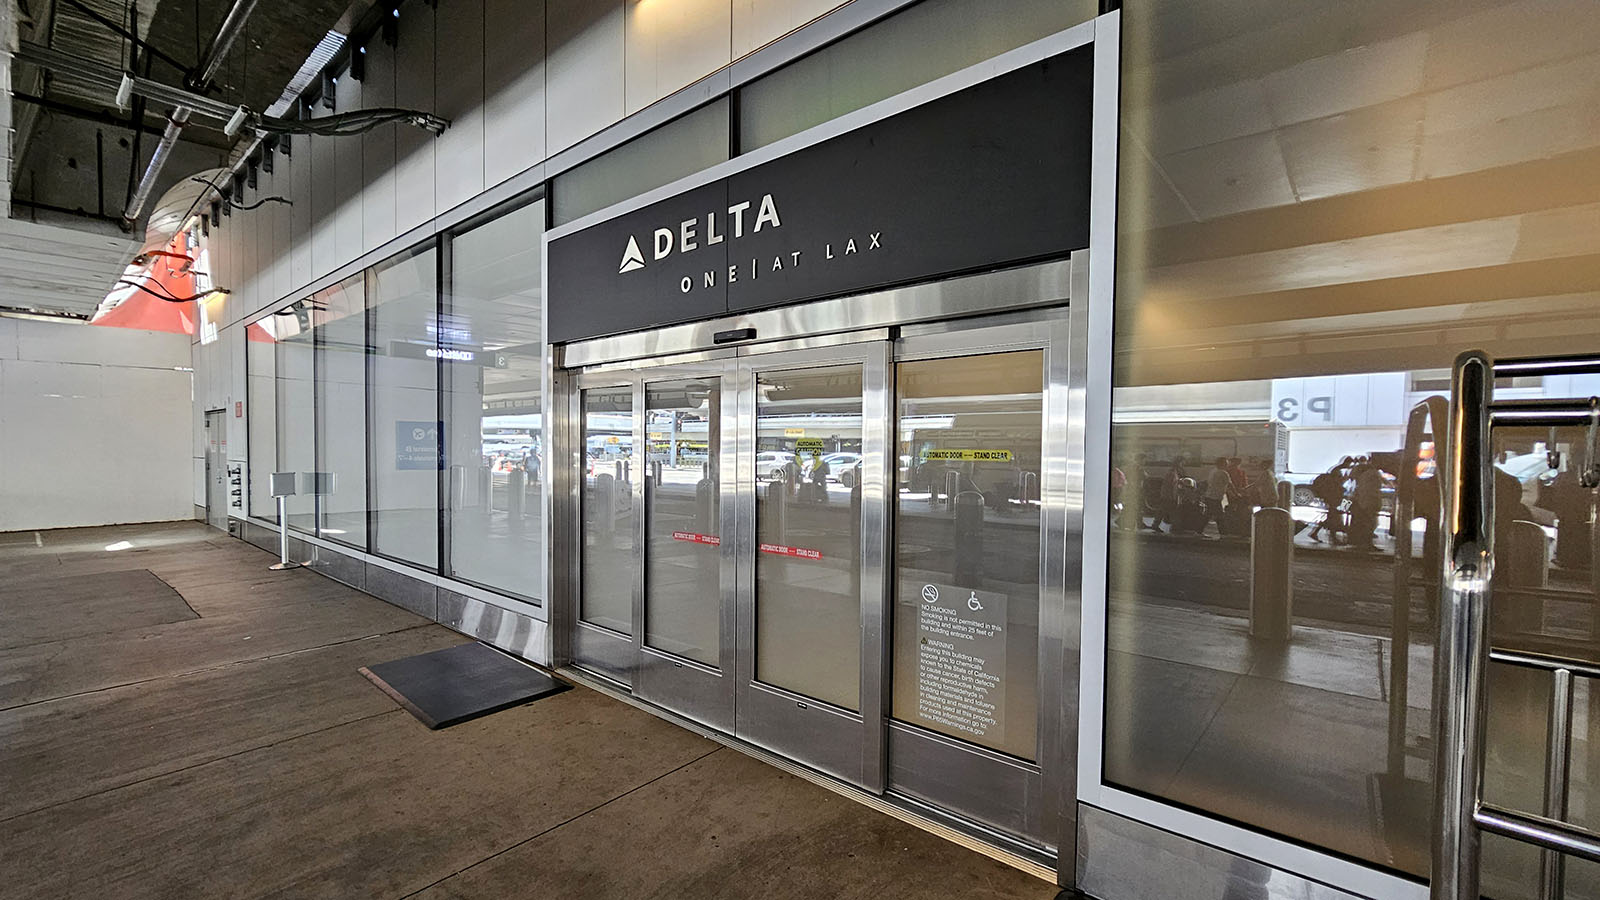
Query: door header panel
[991, 175]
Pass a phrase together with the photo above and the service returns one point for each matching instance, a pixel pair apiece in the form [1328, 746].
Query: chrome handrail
[1461, 653]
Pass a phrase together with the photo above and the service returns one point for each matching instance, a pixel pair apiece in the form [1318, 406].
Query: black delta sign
[995, 174]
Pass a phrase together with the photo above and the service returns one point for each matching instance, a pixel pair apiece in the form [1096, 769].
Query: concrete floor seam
[563, 823]
[223, 758]
[201, 671]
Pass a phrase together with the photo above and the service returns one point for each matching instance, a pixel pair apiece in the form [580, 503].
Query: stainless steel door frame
[595, 648]
[847, 744]
[1028, 800]
[688, 687]
[216, 469]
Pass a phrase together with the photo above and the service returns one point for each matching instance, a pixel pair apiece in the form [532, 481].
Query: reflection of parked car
[770, 464]
[842, 467]
[1533, 471]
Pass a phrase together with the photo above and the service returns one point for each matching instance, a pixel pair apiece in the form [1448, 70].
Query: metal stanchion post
[282, 485]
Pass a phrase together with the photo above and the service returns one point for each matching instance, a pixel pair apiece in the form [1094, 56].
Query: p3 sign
[1307, 411]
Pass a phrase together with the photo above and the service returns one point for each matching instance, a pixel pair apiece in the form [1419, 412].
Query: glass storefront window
[296, 408]
[684, 146]
[404, 354]
[261, 409]
[495, 442]
[340, 485]
[967, 526]
[1319, 208]
[915, 46]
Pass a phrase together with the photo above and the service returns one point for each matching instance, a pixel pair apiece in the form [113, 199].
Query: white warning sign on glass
[961, 659]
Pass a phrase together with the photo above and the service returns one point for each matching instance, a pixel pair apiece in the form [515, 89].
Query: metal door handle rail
[1541, 831]
[1463, 651]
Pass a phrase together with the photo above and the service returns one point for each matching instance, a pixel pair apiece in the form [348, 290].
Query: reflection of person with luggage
[1364, 504]
[1167, 508]
[1329, 489]
[1571, 502]
[1218, 485]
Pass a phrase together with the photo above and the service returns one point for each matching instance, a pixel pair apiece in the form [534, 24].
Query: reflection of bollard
[655, 470]
[968, 570]
[485, 488]
[605, 505]
[1526, 564]
[1285, 495]
[705, 506]
[777, 510]
[516, 492]
[1271, 589]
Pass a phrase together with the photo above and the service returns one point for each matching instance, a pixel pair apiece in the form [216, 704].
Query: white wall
[94, 426]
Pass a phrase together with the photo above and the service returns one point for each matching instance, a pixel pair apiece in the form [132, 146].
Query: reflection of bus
[1198, 443]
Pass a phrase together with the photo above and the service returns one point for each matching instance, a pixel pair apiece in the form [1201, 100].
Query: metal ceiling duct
[210, 61]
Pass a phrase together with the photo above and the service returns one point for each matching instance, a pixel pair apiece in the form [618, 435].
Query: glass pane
[1319, 207]
[296, 409]
[496, 440]
[967, 523]
[927, 41]
[339, 328]
[405, 410]
[682, 576]
[808, 532]
[684, 146]
[261, 412]
[606, 593]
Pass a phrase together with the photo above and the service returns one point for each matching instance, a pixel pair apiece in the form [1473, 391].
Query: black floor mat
[450, 686]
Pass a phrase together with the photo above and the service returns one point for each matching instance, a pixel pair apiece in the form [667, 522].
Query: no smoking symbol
[930, 593]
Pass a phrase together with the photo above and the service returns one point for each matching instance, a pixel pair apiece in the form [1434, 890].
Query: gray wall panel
[348, 177]
[583, 69]
[378, 151]
[669, 45]
[324, 201]
[414, 148]
[403, 591]
[512, 632]
[299, 165]
[513, 79]
[458, 85]
[1120, 859]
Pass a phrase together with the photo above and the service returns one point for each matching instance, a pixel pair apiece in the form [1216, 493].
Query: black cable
[118, 30]
[243, 207]
[246, 207]
[162, 296]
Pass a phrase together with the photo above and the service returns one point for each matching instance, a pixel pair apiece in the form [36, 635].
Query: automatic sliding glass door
[812, 503]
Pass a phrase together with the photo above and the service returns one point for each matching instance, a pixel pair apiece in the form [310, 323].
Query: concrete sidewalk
[177, 721]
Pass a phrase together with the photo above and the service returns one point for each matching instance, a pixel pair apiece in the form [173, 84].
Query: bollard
[776, 514]
[968, 571]
[485, 485]
[516, 493]
[655, 470]
[1285, 495]
[605, 505]
[1526, 563]
[705, 506]
[1271, 588]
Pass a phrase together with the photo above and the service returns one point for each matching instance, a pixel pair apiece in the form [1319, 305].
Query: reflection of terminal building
[1034, 426]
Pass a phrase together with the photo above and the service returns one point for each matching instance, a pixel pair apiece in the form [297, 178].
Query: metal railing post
[1462, 651]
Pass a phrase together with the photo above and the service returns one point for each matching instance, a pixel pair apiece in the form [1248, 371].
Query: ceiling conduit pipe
[210, 61]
